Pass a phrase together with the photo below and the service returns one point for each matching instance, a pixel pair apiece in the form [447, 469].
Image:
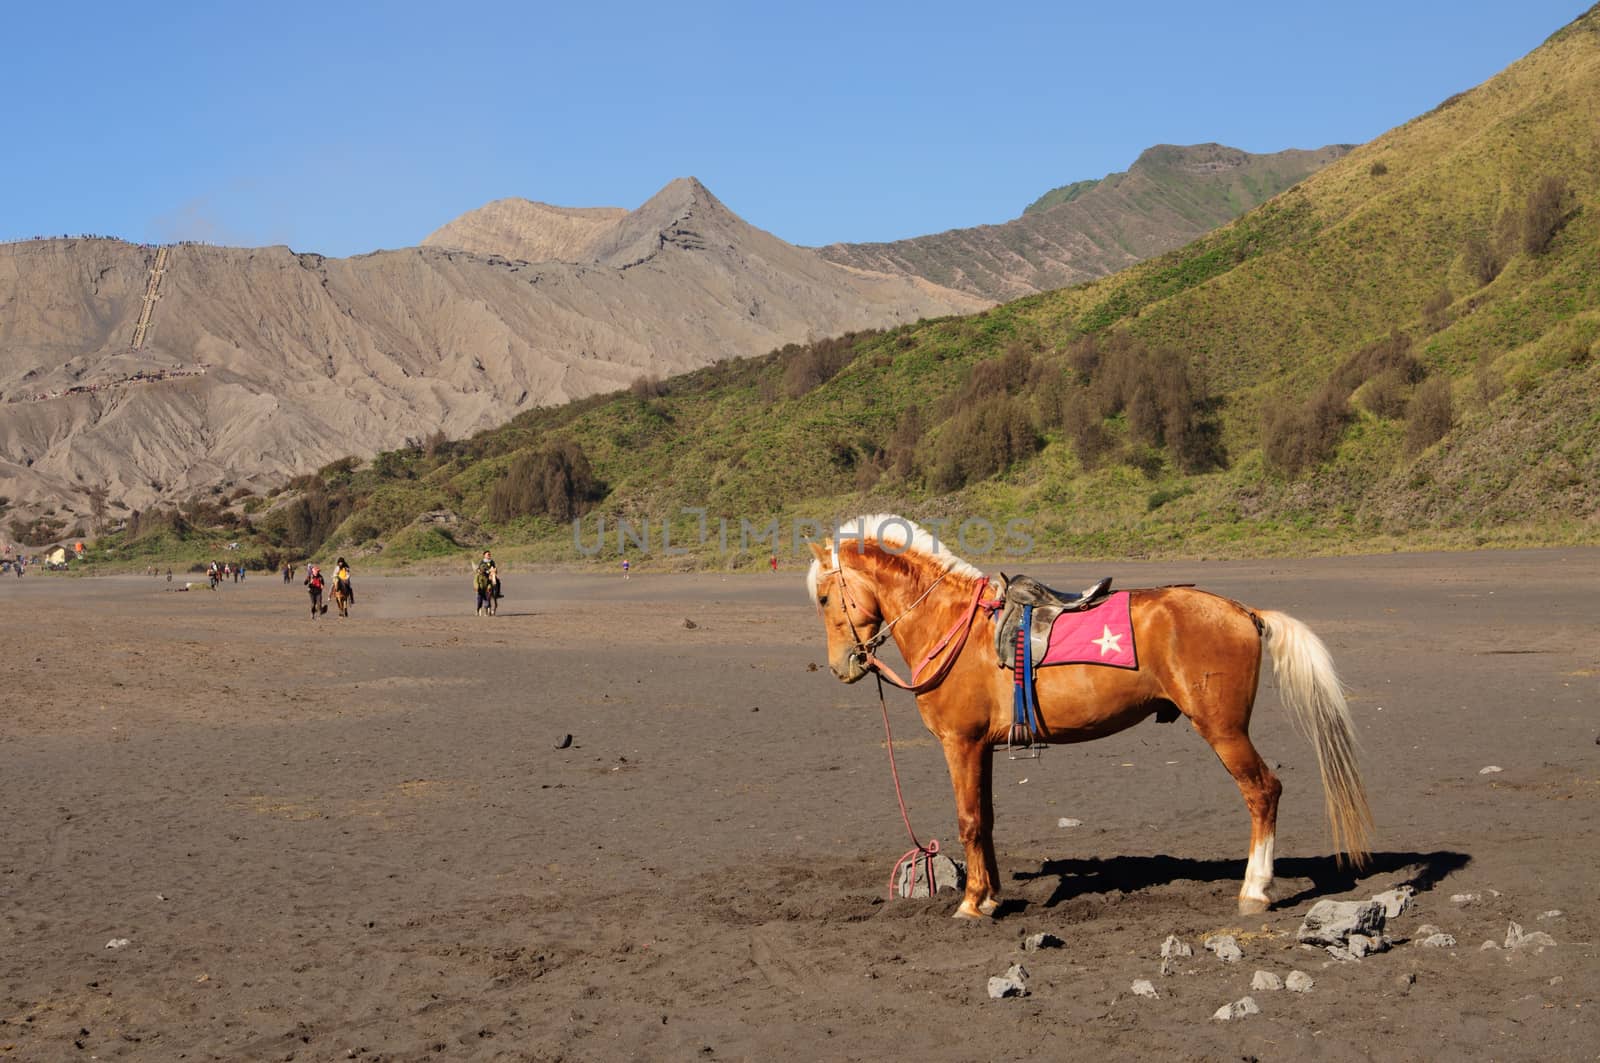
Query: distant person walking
[484, 578]
[314, 587]
[625, 568]
[774, 562]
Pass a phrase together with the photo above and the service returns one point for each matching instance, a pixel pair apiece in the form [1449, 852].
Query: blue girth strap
[1024, 703]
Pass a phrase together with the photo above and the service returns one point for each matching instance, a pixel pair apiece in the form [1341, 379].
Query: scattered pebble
[1035, 942]
[1266, 981]
[566, 740]
[1014, 983]
[1237, 1010]
[811, 667]
[1299, 982]
[1439, 941]
[1064, 822]
[1426, 929]
[1490, 769]
[1487, 945]
[691, 625]
[121, 943]
[1554, 913]
[1404, 982]
[1142, 987]
[1226, 948]
[1175, 946]
[1465, 898]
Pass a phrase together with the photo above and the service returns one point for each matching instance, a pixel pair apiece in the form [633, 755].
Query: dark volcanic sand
[358, 838]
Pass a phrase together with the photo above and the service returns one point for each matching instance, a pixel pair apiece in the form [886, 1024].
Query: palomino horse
[1199, 654]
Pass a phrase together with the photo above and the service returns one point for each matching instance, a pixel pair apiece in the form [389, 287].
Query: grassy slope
[1271, 303]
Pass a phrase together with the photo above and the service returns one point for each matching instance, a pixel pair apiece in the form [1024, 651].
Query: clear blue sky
[346, 127]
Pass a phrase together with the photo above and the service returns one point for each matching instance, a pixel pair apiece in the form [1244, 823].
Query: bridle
[863, 652]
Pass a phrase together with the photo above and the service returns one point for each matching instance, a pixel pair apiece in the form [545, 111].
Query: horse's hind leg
[1260, 789]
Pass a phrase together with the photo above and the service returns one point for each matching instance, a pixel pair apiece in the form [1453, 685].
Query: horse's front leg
[971, 774]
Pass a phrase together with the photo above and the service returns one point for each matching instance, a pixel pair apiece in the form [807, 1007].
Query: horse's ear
[818, 551]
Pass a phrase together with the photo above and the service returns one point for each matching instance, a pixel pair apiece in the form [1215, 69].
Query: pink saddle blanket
[1101, 635]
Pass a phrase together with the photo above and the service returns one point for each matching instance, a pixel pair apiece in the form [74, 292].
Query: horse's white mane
[892, 531]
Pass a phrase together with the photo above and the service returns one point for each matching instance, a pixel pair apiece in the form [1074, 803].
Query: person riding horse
[341, 580]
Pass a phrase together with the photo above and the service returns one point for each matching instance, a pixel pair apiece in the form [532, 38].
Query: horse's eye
[823, 600]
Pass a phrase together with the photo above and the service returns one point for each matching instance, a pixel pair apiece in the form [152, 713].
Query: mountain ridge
[261, 363]
[1088, 229]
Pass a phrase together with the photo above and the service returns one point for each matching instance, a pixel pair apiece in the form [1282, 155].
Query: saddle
[1047, 603]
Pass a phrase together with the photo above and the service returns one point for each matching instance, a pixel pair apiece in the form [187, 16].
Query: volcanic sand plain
[359, 839]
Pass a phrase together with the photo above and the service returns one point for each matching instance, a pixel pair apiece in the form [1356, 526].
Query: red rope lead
[928, 851]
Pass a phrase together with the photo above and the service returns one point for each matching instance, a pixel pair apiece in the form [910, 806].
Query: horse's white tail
[1311, 691]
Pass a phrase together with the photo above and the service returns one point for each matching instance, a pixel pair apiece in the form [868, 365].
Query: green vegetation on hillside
[1402, 350]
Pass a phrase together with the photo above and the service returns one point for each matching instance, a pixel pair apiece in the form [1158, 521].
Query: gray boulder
[1237, 1010]
[1266, 981]
[1517, 939]
[1330, 923]
[1226, 948]
[948, 874]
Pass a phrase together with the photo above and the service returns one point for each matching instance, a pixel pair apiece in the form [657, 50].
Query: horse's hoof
[984, 909]
[1252, 905]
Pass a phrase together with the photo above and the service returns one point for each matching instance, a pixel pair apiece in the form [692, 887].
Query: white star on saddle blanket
[1109, 642]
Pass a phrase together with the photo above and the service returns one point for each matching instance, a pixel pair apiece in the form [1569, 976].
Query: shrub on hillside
[808, 368]
[146, 522]
[305, 523]
[648, 387]
[903, 453]
[1385, 395]
[1432, 414]
[1479, 258]
[556, 481]
[1545, 213]
[1296, 438]
[1378, 169]
[1436, 311]
[982, 440]
[1393, 352]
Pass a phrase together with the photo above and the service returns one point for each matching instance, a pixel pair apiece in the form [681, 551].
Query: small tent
[58, 556]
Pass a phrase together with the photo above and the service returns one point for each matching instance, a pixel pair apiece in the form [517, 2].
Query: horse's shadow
[1130, 874]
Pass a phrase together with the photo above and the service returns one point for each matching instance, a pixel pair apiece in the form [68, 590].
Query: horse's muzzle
[855, 667]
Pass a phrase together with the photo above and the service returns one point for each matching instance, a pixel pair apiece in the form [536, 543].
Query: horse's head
[848, 603]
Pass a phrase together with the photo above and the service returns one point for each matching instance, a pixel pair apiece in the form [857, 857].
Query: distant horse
[1198, 654]
[342, 596]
